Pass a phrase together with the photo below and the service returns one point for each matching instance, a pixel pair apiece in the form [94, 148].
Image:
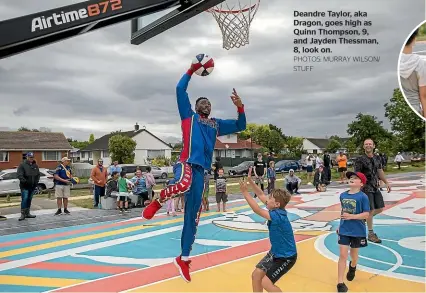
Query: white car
[9, 182]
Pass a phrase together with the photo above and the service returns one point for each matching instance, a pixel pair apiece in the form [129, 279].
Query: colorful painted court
[134, 255]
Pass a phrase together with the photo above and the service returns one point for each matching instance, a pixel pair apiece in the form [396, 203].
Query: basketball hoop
[234, 22]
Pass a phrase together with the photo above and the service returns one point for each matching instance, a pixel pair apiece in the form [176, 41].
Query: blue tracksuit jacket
[198, 133]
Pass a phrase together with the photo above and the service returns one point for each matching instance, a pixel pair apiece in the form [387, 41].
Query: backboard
[147, 27]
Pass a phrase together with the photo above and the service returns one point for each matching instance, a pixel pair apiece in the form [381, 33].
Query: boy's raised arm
[256, 188]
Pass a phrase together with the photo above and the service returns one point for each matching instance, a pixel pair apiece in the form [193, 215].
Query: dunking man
[199, 134]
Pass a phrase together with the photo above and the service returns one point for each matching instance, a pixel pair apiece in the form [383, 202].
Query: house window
[105, 154]
[4, 157]
[315, 151]
[152, 154]
[83, 155]
[51, 156]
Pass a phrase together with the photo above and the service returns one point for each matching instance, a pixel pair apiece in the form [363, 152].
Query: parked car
[9, 182]
[418, 158]
[241, 169]
[303, 164]
[286, 165]
[130, 170]
[156, 171]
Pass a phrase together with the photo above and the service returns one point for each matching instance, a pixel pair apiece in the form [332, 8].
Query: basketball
[203, 64]
[75, 180]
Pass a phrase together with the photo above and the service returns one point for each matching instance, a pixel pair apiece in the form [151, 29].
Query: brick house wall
[15, 158]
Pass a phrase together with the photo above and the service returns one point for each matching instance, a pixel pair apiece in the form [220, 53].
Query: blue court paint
[410, 271]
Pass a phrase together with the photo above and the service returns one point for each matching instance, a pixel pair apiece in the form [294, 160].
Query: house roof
[101, 143]
[33, 141]
[322, 143]
[240, 145]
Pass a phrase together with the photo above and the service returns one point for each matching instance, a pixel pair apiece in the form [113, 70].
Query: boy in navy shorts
[283, 254]
[352, 231]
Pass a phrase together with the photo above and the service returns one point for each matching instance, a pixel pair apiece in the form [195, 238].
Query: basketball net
[234, 22]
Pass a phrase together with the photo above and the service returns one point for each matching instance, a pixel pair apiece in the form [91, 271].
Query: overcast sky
[98, 82]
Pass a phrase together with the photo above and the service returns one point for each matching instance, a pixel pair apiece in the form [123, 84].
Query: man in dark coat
[29, 176]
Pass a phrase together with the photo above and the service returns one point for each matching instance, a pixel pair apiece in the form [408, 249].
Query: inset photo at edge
[412, 70]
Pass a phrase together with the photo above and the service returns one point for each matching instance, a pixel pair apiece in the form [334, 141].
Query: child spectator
[283, 254]
[221, 192]
[170, 207]
[206, 191]
[123, 192]
[271, 175]
[352, 232]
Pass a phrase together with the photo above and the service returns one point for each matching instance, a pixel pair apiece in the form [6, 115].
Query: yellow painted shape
[309, 232]
[38, 281]
[58, 243]
[311, 273]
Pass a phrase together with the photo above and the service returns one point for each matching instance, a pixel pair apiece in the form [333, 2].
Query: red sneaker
[150, 211]
[183, 267]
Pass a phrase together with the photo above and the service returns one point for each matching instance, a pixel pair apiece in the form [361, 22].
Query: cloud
[98, 82]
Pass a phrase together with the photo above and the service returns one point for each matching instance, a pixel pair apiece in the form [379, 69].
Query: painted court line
[49, 256]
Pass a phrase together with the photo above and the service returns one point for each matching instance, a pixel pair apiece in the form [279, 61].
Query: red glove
[193, 68]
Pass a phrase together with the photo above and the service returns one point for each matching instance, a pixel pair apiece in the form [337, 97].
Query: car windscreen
[280, 163]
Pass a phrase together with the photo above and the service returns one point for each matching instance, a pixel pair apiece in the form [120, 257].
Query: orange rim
[233, 11]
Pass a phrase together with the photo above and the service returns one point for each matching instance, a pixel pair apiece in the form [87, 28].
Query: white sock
[185, 258]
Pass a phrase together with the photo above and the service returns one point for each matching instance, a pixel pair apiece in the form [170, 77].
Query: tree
[247, 133]
[294, 146]
[122, 149]
[366, 126]
[408, 127]
[178, 146]
[274, 143]
[350, 146]
[273, 127]
[333, 146]
[91, 138]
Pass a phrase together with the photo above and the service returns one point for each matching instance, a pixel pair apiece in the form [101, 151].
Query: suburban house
[318, 145]
[229, 146]
[48, 148]
[148, 147]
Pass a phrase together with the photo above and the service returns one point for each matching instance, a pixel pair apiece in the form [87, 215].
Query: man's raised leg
[177, 186]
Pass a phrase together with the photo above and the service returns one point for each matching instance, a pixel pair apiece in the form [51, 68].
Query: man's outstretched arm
[184, 105]
[229, 126]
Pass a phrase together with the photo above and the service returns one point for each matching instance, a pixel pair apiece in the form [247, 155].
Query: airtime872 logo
[41, 23]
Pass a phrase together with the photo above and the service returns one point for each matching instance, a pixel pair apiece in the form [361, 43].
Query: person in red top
[99, 176]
